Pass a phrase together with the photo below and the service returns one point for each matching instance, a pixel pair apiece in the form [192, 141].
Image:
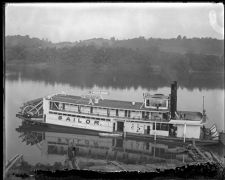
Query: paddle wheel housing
[33, 108]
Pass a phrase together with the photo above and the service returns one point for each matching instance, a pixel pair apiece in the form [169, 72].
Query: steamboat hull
[42, 126]
[33, 124]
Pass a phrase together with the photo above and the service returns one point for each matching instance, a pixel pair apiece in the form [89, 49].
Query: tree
[112, 38]
[179, 37]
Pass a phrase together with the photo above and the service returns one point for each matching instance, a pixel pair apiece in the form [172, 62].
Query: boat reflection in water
[92, 152]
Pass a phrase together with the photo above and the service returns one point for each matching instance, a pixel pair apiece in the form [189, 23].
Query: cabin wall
[141, 128]
[134, 127]
[86, 123]
[180, 130]
[192, 131]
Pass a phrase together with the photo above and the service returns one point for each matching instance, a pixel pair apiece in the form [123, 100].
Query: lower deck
[110, 125]
[129, 135]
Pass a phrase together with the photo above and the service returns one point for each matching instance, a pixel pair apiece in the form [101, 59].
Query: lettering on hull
[81, 121]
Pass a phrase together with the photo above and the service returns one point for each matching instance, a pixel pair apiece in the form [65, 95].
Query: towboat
[156, 116]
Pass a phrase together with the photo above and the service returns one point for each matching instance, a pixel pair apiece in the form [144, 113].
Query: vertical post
[154, 150]
[155, 131]
[184, 131]
[173, 100]
[203, 104]
[124, 131]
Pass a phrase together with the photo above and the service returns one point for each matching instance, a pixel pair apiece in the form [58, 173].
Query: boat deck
[114, 104]
[117, 104]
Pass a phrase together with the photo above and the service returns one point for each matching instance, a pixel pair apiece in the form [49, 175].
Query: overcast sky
[80, 21]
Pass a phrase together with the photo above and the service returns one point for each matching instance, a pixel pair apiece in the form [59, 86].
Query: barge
[156, 117]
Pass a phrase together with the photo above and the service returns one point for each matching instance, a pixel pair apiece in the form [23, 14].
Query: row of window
[78, 116]
[161, 126]
[113, 112]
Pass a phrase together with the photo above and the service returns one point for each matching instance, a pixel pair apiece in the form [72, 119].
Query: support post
[154, 151]
[124, 131]
[155, 131]
[185, 131]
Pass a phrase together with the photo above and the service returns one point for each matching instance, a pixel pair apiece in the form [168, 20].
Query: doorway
[120, 126]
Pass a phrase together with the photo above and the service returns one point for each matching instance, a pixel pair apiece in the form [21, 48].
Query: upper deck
[106, 103]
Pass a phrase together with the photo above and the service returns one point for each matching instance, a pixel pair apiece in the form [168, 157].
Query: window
[164, 127]
[161, 126]
[117, 112]
[158, 102]
[54, 106]
[125, 113]
[165, 116]
[78, 108]
[146, 115]
[128, 113]
[61, 106]
[143, 114]
[158, 126]
[108, 113]
[147, 102]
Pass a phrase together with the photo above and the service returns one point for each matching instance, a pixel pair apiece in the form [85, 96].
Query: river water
[18, 91]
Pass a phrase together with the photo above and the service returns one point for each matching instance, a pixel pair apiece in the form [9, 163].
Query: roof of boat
[160, 96]
[115, 104]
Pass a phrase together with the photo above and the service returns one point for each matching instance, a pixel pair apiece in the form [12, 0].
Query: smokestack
[173, 100]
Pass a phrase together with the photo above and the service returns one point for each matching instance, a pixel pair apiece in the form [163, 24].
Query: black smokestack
[173, 100]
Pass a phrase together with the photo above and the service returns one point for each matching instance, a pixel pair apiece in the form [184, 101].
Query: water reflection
[88, 80]
[129, 153]
[80, 151]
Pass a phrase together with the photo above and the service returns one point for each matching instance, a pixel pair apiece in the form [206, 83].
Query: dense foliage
[136, 59]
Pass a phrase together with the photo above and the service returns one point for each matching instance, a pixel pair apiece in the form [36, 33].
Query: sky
[80, 21]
